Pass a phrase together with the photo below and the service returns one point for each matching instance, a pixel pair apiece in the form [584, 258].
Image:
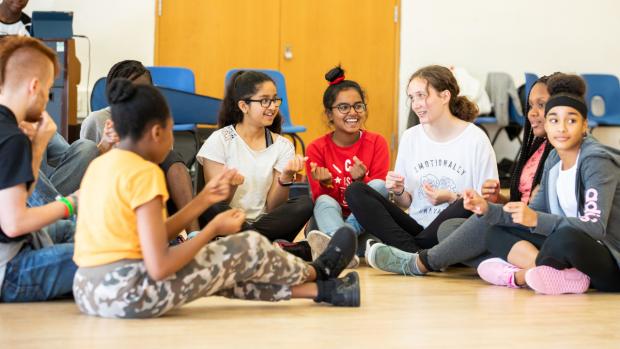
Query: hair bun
[334, 74]
[566, 83]
[120, 90]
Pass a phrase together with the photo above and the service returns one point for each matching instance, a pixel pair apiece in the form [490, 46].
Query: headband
[567, 101]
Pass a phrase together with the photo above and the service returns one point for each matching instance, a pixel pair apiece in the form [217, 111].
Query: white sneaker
[318, 242]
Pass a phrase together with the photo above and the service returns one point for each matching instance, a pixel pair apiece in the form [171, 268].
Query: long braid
[528, 137]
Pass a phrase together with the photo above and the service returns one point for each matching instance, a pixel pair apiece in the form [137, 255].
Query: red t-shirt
[371, 149]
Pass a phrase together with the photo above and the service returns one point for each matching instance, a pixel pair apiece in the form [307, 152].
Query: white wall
[118, 29]
[479, 35]
[510, 36]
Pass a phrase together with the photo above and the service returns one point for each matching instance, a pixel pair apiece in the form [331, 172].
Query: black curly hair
[135, 107]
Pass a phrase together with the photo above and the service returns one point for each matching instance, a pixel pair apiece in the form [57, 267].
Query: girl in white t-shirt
[437, 159]
[249, 140]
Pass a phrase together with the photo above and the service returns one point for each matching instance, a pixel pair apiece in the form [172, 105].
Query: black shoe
[337, 254]
[343, 292]
[300, 249]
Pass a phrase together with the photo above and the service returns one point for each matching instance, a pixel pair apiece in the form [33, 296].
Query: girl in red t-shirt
[342, 156]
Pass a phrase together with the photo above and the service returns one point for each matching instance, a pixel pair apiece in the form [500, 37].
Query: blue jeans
[43, 274]
[62, 169]
[328, 213]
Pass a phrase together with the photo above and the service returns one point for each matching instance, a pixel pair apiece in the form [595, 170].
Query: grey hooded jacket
[598, 197]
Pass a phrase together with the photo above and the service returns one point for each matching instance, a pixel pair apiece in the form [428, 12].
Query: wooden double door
[301, 38]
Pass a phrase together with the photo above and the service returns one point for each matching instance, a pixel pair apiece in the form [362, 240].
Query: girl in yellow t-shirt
[126, 267]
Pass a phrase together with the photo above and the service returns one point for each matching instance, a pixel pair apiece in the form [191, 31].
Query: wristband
[68, 205]
[75, 203]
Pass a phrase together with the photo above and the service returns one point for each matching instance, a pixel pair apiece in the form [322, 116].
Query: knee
[325, 201]
[303, 206]
[86, 148]
[379, 186]
[354, 190]
[565, 240]
[493, 237]
[448, 227]
[246, 243]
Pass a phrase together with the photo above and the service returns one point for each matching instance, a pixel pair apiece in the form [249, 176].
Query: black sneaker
[337, 254]
[300, 249]
[343, 292]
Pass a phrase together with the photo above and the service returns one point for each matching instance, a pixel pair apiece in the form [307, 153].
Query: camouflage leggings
[243, 265]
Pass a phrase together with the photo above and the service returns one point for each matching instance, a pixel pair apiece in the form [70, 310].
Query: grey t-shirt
[7, 252]
[92, 126]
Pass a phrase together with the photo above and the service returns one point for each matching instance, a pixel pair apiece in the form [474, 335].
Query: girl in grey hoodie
[568, 239]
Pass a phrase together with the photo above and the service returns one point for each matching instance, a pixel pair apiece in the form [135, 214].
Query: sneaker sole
[318, 242]
[547, 280]
[371, 253]
[354, 263]
[355, 297]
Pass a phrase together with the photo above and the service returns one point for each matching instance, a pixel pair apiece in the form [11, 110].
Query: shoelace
[402, 264]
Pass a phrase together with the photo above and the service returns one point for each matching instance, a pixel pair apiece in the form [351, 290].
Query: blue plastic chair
[178, 78]
[98, 99]
[530, 79]
[287, 126]
[188, 109]
[514, 116]
[606, 87]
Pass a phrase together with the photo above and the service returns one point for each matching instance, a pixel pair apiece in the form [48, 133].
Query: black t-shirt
[172, 158]
[15, 157]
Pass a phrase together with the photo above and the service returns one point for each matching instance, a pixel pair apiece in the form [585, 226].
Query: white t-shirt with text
[464, 162]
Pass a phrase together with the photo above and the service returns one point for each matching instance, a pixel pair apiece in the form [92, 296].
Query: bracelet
[287, 184]
[75, 203]
[401, 193]
[68, 205]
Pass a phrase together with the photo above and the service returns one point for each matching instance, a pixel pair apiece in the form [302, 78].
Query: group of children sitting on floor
[555, 233]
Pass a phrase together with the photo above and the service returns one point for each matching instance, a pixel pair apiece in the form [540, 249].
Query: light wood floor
[453, 309]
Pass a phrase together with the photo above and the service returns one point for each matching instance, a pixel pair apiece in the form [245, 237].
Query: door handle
[288, 52]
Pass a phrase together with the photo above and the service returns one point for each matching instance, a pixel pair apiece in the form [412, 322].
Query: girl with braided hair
[567, 238]
[462, 240]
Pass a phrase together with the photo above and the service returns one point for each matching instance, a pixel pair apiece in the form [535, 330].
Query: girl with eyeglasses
[126, 267]
[249, 140]
[345, 155]
[437, 159]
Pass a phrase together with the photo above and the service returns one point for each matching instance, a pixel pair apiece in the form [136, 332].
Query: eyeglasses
[266, 102]
[345, 108]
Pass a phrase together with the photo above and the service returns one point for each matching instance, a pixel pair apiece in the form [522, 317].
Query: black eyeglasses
[266, 102]
[345, 108]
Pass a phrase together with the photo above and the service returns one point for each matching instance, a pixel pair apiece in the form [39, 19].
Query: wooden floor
[449, 310]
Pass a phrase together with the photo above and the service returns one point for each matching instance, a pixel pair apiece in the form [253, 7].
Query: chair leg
[295, 138]
[301, 143]
[497, 135]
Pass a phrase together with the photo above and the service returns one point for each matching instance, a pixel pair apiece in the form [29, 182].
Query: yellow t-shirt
[114, 185]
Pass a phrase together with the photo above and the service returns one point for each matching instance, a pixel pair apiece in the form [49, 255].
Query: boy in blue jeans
[35, 244]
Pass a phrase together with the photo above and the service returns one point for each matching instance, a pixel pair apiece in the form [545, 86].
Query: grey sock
[413, 265]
